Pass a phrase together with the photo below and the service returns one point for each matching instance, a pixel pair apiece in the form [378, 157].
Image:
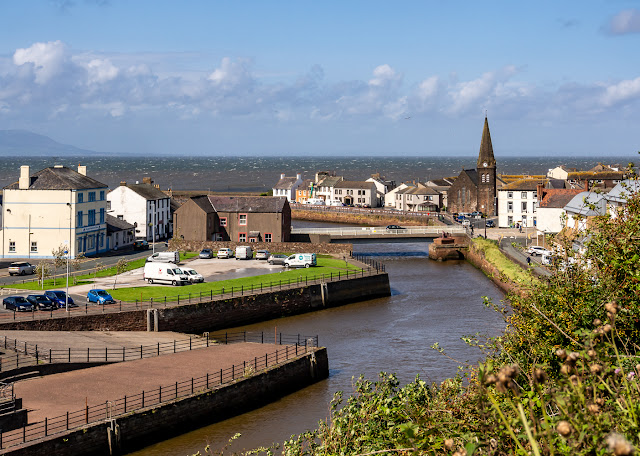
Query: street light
[66, 295]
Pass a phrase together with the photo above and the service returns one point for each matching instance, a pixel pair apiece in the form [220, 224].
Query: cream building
[54, 207]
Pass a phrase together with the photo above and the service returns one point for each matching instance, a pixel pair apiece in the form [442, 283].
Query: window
[102, 215]
[510, 220]
[34, 246]
[534, 207]
[79, 223]
[92, 197]
[242, 237]
[252, 239]
[12, 246]
[242, 219]
[524, 206]
[91, 242]
[509, 194]
[510, 206]
[92, 217]
[80, 197]
[101, 195]
[535, 195]
[267, 237]
[108, 205]
[101, 239]
[223, 221]
[523, 195]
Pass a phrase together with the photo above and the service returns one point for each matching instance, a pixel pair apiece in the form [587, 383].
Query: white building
[355, 193]
[517, 203]
[618, 195]
[391, 196]
[143, 205]
[418, 198]
[584, 206]
[324, 188]
[383, 186]
[287, 186]
[54, 207]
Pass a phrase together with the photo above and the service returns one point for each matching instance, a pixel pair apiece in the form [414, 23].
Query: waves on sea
[258, 174]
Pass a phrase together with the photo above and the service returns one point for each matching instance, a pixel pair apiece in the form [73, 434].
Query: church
[475, 189]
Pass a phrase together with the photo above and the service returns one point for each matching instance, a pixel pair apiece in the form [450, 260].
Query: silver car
[21, 268]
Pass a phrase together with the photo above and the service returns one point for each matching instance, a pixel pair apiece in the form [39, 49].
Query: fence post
[160, 395]
[88, 355]
[125, 403]
[46, 426]
[67, 420]
[69, 354]
[142, 398]
[189, 343]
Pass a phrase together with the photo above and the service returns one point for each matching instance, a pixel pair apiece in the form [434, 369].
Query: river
[431, 302]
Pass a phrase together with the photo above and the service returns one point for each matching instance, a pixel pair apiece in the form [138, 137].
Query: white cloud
[48, 59]
[428, 88]
[101, 71]
[621, 92]
[384, 75]
[231, 74]
[627, 21]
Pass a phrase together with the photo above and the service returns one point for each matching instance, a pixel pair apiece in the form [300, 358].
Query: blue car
[18, 303]
[100, 297]
[59, 297]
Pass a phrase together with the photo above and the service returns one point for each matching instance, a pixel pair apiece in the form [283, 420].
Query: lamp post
[153, 227]
[66, 295]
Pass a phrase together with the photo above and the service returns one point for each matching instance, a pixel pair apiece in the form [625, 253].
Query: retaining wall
[301, 244]
[160, 422]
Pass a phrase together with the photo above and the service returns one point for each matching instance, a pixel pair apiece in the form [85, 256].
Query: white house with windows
[143, 205]
[355, 193]
[518, 203]
[418, 198]
[54, 207]
[287, 186]
[392, 195]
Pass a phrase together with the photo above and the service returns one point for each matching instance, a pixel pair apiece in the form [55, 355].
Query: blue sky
[324, 78]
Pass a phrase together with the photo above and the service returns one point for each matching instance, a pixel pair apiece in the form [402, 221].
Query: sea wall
[225, 313]
[301, 245]
[166, 420]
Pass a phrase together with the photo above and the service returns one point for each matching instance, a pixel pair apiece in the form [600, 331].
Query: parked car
[262, 254]
[41, 302]
[60, 298]
[244, 252]
[395, 227]
[537, 250]
[476, 214]
[300, 260]
[277, 258]
[206, 253]
[490, 224]
[21, 268]
[99, 297]
[193, 275]
[466, 222]
[164, 272]
[17, 303]
[225, 253]
[141, 244]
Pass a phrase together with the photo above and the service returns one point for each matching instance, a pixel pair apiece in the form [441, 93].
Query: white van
[301, 260]
[244, 252]
[164, 273]
[315, 202]
[335, 203]
[193, 275]
[165, 257]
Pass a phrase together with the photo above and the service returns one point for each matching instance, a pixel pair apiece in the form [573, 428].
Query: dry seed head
[638, 368]
[490, 379]
[573, 357]
[619, 445]
[592, 353]
[565, 369]
[607, 328]
[539, 376]
[594, 409]
[611, 307]
[600, 401]
[448, 443]
[563, 428]
[574, 379]
[561, 353]
[460, 452]
[597, 322]
[595, 368]
[493, 443]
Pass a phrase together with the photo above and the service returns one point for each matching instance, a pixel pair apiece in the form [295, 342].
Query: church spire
[486, 149]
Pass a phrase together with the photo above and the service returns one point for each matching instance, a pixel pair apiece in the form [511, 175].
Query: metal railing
[376, 231]
[190, 298]
[130, 403]
[364, 210]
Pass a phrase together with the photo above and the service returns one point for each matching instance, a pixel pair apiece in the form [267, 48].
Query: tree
[59, 259]
[43, 270]
[76, 263]
[98, 266]
[121, 267]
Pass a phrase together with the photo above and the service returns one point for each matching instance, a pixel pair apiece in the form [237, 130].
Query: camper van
[165, 257]
[301, 260]
[164, 273]
[244, 252]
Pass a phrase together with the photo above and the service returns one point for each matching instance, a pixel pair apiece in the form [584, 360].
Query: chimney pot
[123, 183]
[82, 170]
[25, 179]
[282, 176]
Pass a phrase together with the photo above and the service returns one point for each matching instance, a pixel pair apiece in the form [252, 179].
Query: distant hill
[14, 142]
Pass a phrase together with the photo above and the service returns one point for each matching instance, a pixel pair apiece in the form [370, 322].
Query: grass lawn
[511, 270]
[325, 266]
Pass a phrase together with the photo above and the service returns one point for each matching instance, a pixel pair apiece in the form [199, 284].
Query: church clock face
[485, 164]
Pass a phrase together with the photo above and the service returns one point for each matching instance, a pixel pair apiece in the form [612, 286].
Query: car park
[99, 297]
[262, 254]
[206, 253]
[21, 268]
[225, 253]
[394, 227]
[17, 303]
[60, 298]
[41, 302]
[193, 275]
[140, 244]
[537, 250]
[277, 258]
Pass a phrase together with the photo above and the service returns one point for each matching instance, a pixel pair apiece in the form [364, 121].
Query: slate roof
[285, 183]
[59, 178]
[473, 175]
[580, 204]
[329, 181]
[354, 184]
[440, 182]
[558, 198]
[623, 190]
[523, 184]
[148, 191]
[486, 148]
[114, 224]
[248, 203]
[203, 203]
[603, 175]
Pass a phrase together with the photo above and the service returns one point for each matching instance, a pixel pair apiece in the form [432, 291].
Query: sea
[259, 174]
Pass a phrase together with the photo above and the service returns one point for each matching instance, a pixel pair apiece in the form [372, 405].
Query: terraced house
[54, 207]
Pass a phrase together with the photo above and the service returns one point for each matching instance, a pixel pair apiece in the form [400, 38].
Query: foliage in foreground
[562, 380]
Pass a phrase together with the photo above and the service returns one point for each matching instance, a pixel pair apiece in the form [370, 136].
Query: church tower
[486, 169]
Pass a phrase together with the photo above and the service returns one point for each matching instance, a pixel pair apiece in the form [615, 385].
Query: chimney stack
[298, 176]
[147, 180]
[25, 179]
[540, 189]
[282, 176]
[123, 184]
[82, 170]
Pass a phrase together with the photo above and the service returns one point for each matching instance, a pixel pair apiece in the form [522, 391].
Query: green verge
[508, 268]
[325, 266]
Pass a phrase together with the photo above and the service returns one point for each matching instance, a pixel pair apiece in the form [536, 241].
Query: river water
[431, 302]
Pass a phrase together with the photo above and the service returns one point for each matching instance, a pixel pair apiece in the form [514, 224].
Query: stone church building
[475, 189]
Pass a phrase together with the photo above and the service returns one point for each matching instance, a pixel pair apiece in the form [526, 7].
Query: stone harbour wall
[279, 247]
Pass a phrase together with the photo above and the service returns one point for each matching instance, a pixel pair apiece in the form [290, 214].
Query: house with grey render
[355, 193]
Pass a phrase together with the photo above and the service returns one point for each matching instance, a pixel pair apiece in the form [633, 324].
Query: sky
[331, 78]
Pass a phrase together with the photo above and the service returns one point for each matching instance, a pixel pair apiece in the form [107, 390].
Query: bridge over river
[329, 234]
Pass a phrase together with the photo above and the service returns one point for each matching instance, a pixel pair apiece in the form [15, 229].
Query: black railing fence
[370, 262]
[129, 403]
[194, 297]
